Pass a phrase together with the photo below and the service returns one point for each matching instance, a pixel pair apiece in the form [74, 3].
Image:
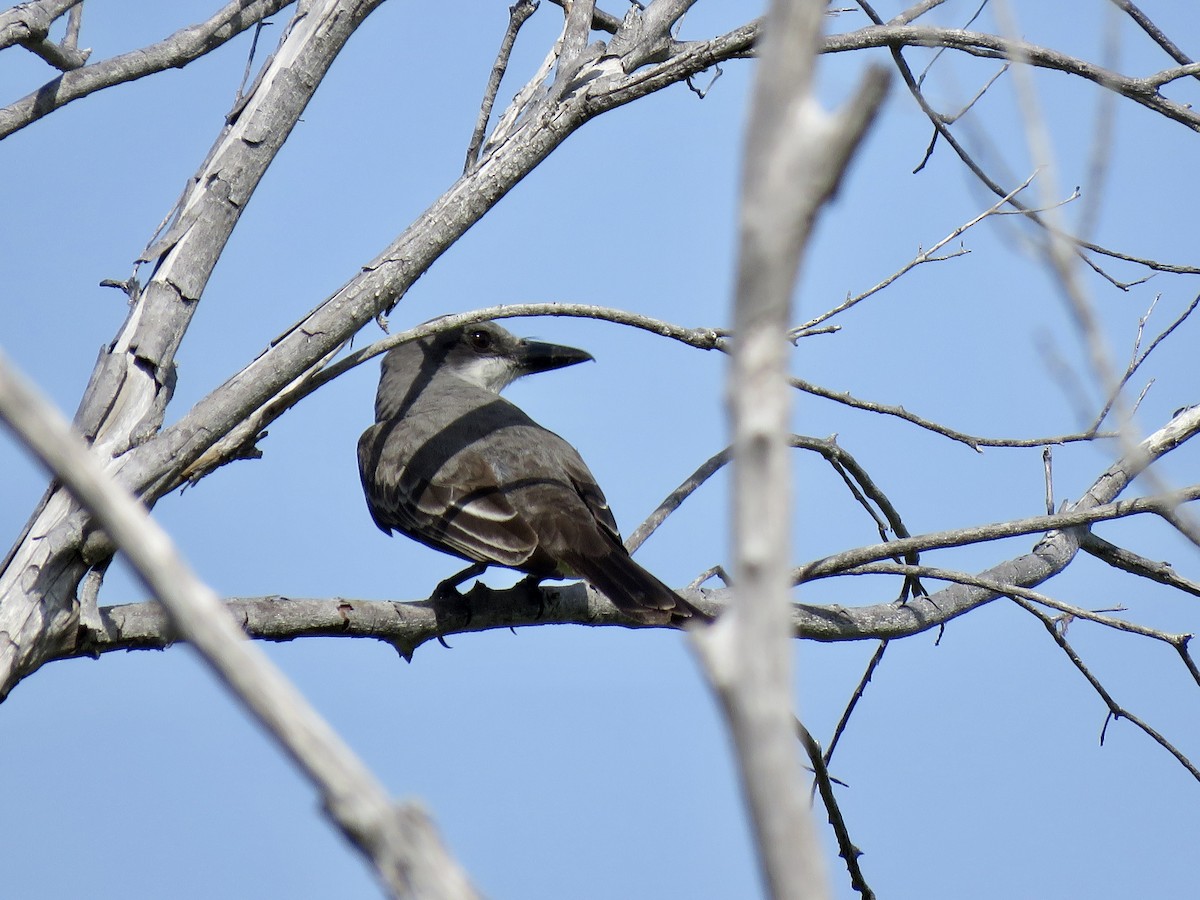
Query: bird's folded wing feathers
[480, 524]
[476, 522]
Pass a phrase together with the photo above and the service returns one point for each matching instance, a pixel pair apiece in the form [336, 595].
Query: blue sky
[564, 761]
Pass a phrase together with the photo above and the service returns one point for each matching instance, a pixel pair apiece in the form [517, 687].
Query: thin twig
[1156, 33]
[859, 690]
[824, 785]
[1136, 360]
[923, 256]
[1115, 711]
[943, 130]
[951, 118]
[241, 91]
[975, 442]
[1011, 590]
[518, 14]
[853, 474]
[1048, 469]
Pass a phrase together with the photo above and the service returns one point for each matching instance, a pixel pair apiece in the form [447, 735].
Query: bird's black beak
[537, 356]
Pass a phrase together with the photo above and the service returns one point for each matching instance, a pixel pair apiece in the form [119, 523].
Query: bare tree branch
[1000, 588]
[134, 379]
[795, 158]
[844, 464]
[408, 625]
[1156, 33]
[399, 841]
[31, 22]
[240, 442]
[857, 694]
[518, 14]
[1081, 514]
[923, 256]
[1140, 356]
[942, 129]
[1143, 91]
[1115, 711]
[975, 442]
[824, 784]
[182, 47]
[1120, 558]
[36, 612]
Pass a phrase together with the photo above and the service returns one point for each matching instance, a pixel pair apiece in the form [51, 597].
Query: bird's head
[490, 357]
[481, 354]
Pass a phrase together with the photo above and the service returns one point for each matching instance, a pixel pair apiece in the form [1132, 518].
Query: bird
[452, 464]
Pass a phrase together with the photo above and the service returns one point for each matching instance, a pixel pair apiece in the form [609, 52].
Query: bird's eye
[480, 340]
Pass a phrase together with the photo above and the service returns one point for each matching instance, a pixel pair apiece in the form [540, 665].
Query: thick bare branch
[134, 379]
[31, 22]
[407, 625]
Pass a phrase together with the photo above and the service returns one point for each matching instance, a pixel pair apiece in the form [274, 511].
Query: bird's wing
[589, 492]
[450, 497]
[467, 508]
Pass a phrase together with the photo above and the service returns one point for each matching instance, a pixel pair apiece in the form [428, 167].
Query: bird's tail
[635, 591]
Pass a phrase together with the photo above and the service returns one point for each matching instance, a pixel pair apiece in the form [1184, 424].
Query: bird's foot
[447, 593]
[531, 584]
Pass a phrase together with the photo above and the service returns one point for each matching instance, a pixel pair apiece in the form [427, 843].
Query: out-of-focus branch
[795, 157]
[399, 841]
